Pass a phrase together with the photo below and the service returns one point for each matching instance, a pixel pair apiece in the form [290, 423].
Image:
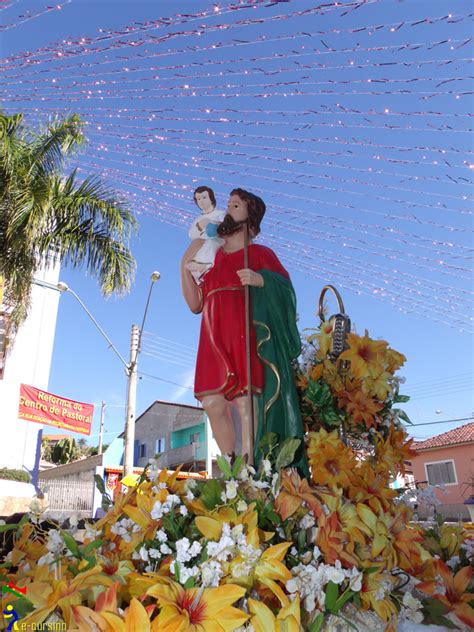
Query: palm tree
[44, 212]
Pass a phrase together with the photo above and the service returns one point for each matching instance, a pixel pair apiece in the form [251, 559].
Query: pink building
[448, 460]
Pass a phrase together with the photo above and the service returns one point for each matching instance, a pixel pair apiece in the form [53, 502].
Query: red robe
[221, 365]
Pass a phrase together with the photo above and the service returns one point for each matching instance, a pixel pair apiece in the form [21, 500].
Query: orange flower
[394, 450]
[360, 407]
[316, 372]
[294, 492]
[364, 354]
[456, 597]
[395, 360]
[371, 487]
[330, 460]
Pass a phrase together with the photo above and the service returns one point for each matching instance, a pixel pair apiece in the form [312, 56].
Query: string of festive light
[348, 242]
[28, 15]
[230, 64]
[344, 278]
[139, 94]
[333, 140]
[392, 231]
[61, 48]
[69, 89]
[400, 298]
[153, 152]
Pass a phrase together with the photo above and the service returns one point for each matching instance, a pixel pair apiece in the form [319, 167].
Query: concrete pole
[101, 431]
[130, 410]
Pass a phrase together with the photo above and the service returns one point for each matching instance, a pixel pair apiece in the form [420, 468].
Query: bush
[15, 475]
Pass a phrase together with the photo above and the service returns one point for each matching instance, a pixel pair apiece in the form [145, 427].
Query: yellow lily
[268, 570]
[263, 619]
[197, 610]
[364, 354]
[135, 618]
[63, 594]
[210, 524]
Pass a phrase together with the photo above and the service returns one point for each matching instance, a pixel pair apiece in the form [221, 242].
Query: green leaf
[332, 592]
[401, 398]
[286, 453]
[22, 607]
[237, 466]
[190, 583]
[268, 442]
[7, 527]
[346, 595]
[70, 543]
[91, 546]
[99, 483]
[317, 624]
[211, 493]
[402, 414]
[274, 517]
[224, 467]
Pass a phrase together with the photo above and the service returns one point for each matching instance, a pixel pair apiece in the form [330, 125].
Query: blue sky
[367, 183]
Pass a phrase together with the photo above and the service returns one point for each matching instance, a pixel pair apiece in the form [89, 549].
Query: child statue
[205, 227]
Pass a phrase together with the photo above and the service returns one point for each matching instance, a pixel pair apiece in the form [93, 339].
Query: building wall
[160, 420]
[463, 457]
[28, 362]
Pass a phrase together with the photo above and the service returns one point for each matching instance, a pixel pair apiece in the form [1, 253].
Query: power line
[155, 377]
[432, 423]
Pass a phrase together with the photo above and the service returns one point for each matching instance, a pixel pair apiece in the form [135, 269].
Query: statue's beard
[229, 226]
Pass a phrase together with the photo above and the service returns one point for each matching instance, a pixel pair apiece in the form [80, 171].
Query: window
[142, 450]
[160, 445]
[441, 473]
[194, 438]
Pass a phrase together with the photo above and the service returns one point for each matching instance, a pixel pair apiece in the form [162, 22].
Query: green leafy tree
[64, 451]
[44, 212]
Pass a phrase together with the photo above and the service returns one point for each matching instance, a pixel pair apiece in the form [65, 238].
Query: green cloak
[278, 343]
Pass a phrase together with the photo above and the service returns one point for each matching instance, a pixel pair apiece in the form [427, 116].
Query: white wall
[28, 363]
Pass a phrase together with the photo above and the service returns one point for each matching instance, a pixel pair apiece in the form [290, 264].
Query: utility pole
[101, 431]
[132, 376]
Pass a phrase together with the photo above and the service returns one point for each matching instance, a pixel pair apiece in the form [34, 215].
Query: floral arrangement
[263, 550]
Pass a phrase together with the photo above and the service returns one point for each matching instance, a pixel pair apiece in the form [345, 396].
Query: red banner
[52, 410]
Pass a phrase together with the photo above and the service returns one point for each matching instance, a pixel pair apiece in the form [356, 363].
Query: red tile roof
[463, 434]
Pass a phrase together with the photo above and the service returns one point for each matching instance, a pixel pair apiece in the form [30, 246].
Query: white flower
[161, 535]
[231, 489]
[183, 510]
[46, 559]
[336, 573]
[189, 484]
[260, 484]
[316, 553]
[157, 511]
[190, 496]
[165, 549]
[154, 553]
[453, 561]
[267, 467]
[355, 579]
[211, 573]
[307, 521]
[55, 542]
[144, 554]
[242, 505]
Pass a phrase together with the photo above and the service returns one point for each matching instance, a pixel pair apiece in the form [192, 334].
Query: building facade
[180, 433]
[28, 362]
[447, 462]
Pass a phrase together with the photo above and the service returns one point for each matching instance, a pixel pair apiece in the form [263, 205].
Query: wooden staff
[248, 348]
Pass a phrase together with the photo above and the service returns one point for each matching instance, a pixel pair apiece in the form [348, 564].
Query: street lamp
[131, 367]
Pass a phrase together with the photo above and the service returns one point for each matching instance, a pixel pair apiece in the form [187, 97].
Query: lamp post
[131, 367]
